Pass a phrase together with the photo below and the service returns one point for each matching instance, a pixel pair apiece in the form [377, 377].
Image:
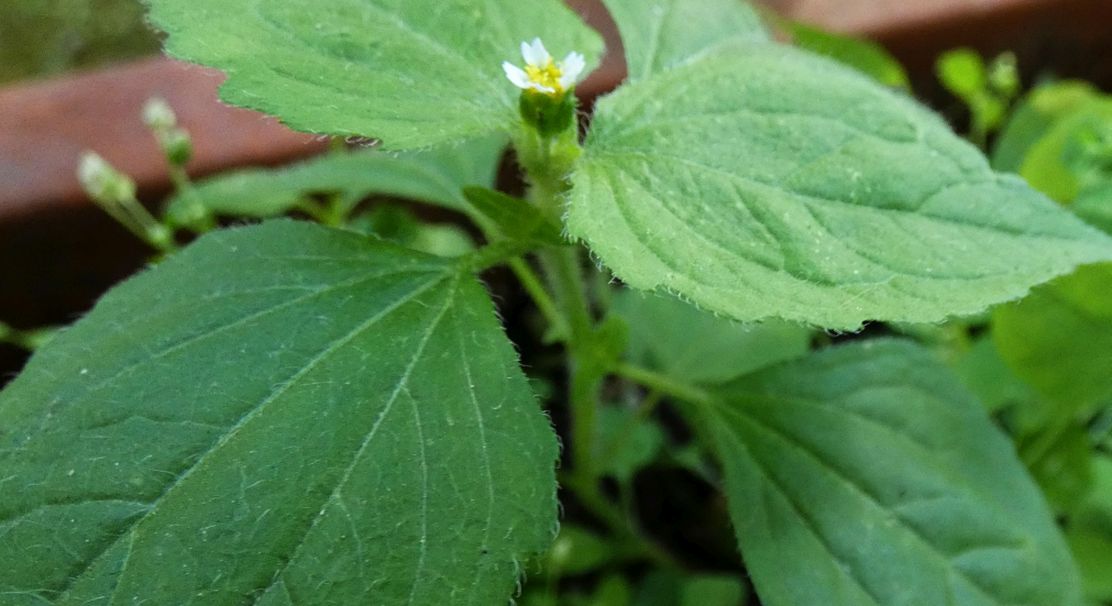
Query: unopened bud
[102, 182]
[1003, 75]
[178, 147]
[158, 115]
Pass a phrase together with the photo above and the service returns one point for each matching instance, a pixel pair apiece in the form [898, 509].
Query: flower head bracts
[542, 74]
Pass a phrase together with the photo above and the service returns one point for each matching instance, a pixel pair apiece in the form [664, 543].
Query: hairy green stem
[534, 287]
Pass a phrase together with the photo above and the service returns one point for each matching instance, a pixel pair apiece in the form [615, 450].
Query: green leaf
[612, 591]
[625, 443]
[411, 73]
[280, 414]
[713, 590]
[577, 551]
[865, 56]
[658, 35]
[1060, 459]
[866, 475]
[1034, 116]
[1093, 551]
[695, 346]
[985, 374]
[397, 224]
[1059, 339]
[1047, 167]
[963, 73]
[514, 217]
[1090, 534]
[436, 176]
[1094, 205]
[768, 182]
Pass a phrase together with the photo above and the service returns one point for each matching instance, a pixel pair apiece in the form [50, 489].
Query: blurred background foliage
[40, 38]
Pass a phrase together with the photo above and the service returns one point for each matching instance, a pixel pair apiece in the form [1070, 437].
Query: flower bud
[178, 146]
[158, 116]
[103, 183]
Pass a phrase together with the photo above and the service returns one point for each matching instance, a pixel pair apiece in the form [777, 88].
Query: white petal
[534, 53]
[541, 88]
[516, 75]
[571, 68]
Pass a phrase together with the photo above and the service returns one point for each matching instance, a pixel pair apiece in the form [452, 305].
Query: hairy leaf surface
[866, 476]
[660, 34]
[281, 414]
[763, 181]
[410, 72]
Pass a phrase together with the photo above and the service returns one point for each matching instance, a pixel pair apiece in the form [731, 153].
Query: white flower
[541, 73]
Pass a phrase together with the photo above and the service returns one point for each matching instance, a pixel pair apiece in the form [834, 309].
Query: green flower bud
[103, 183]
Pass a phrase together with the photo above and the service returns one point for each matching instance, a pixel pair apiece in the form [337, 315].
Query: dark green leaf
[576, 551]
[514, 217]
[281, 414]
[625, 442]
[711, 590]
[866, 476]
[1090, 533]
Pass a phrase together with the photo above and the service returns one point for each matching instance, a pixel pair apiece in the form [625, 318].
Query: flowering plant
[329, 411]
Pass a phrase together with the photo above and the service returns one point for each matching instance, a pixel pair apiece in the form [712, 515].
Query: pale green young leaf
[1037, 113]
[436, 176]
[280, 414]
[865, 56]
[696, 346]
[767, 182]
[865, 475]
[963, 72]
[1059, 339]
[409, 72]
[1048, 165]
[661, 34]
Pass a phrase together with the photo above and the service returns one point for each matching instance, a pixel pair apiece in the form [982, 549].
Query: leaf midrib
[228, 435]
[856, 488]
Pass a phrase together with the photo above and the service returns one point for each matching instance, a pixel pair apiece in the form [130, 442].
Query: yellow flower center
[548, 75]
